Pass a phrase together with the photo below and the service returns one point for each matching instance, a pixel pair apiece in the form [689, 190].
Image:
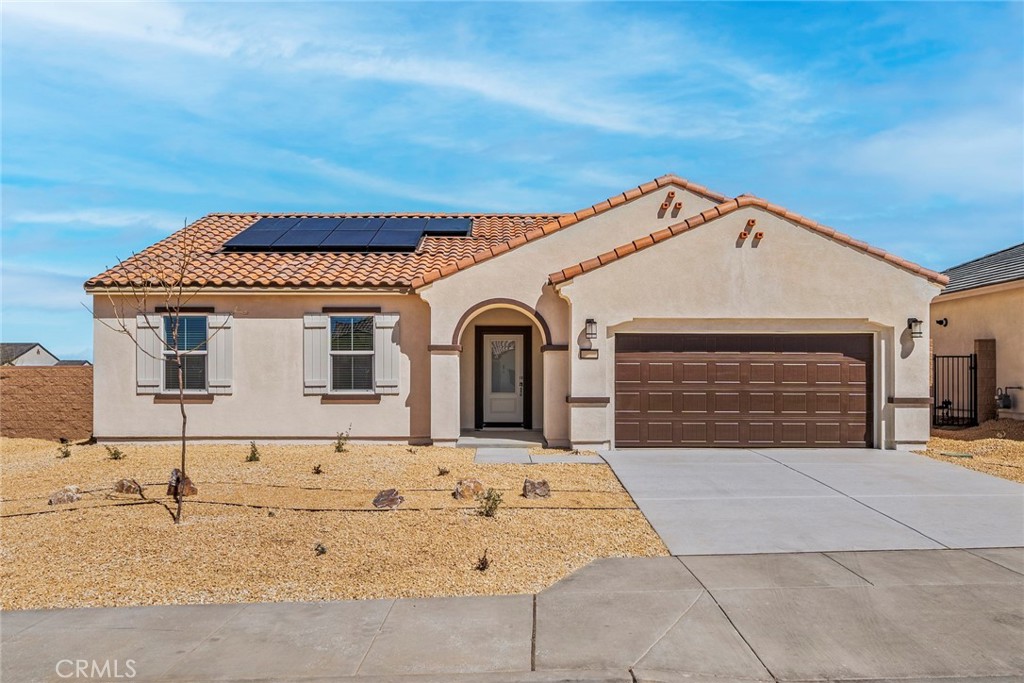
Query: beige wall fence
[46, 402]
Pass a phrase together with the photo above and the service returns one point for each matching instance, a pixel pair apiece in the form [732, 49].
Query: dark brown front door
[744, 390]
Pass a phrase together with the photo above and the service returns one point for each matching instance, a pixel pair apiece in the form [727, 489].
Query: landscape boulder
[128, 486]
[68, 494]
[180, 484]
[536, 489]
[389, 499]
[467, 489]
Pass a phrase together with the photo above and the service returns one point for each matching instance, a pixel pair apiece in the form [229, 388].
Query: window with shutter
[187, 335]
[351, 354]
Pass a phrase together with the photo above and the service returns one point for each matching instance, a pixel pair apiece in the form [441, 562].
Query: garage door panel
[728, 390]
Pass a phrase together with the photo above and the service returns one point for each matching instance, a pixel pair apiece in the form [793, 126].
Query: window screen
[351, 353]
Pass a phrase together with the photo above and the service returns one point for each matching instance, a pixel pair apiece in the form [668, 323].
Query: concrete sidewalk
[737, 501]
[917, 615]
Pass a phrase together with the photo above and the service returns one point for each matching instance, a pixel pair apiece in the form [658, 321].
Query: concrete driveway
[722, 502]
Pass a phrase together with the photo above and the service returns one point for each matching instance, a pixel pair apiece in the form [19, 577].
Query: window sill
[189, 398]
[349, 398]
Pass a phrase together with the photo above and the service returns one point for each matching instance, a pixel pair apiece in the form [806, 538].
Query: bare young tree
[158, 280]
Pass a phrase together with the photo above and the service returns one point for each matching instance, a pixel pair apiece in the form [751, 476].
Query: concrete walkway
[910, 615]
[521, 456]
[710, 502]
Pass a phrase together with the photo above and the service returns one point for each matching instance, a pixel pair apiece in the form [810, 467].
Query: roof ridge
[979, 258]
[728, 207]
[563, 221]
[365, 214]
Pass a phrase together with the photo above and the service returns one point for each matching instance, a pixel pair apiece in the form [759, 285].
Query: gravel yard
[996, 447]
[250, 533]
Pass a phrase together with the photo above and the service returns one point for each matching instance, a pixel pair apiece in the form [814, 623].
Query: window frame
[331, 353]
[168, 354]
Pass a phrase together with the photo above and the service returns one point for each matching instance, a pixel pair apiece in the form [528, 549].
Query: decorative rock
[127, 486]
[536, 489]
[388, 499]
[468, 488]
[179, 484]
[68, 494]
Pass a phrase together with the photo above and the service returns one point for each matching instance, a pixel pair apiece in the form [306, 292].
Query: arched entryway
[501, 367]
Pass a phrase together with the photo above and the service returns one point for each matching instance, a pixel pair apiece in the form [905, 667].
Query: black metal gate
[954, 391]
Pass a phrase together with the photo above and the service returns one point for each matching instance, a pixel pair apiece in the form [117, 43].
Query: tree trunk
[184, 421]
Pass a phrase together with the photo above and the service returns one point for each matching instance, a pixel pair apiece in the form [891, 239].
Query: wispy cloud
[96, 218]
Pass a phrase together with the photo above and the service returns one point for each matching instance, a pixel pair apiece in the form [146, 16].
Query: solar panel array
[344, 234]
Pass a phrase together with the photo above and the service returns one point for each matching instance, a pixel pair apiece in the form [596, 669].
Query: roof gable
[12, 351]
[567, 274]
[563, 222]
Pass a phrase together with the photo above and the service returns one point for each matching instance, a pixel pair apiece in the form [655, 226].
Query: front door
[503, 379]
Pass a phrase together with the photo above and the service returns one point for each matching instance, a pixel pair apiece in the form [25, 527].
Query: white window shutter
[315, 353]
[219, 352]
[148, 354]
[385, 353]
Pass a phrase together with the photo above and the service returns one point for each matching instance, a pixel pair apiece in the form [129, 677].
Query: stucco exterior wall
[37, 356]
[267, 398]
[522, 273]
[791, 281]
[995, 312]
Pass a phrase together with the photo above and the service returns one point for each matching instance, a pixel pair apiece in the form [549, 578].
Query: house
[981, 313]
[26, 353]
[74, 362]
[668, 315]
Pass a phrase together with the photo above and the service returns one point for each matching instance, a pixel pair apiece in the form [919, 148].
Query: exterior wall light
[942, 322]
[914, 325]
[591, 328]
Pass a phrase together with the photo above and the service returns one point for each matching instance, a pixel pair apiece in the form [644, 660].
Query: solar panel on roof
[273, 224]
[360, 224]
[448, 226]
[324, 224]
[348, 239]
[296, 239]
[395, 239]
[404, 224]
[254, 239]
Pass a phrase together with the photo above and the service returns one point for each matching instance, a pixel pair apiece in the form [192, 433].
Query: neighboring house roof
[73, 362]
[567, 274]
[212, 267]
[12, 351]
[1002, 266]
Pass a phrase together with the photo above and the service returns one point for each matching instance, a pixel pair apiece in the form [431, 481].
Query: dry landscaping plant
[64, 449]
[317, 469]
[483, 563]
[114, 453]
[489, 503]
[254, 453]
[341, 442]
[320, 549]
[443, 471]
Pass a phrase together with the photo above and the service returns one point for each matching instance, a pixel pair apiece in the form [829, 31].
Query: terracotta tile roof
[724, 209]
[566, 220]
[212, 267]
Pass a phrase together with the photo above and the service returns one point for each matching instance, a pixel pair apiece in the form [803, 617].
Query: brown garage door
[743, 390]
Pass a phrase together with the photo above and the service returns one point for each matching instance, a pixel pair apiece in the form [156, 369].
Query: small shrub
[411, 451]
[489, 503]
[443, 471]
[341, 442]
[114, 453]
[254, 453]
[317, 469]
[64, 450]
[271, 513]
[483, 563]
[320, 549]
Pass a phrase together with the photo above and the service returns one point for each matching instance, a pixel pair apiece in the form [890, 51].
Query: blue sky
[901, 124]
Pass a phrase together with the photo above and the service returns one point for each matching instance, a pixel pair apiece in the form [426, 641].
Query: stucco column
[556, 388]
[985, 349]
[444, 395]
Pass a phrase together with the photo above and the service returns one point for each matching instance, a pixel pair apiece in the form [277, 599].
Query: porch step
[501, 439]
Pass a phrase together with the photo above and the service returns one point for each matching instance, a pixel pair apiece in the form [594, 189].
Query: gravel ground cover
[996, 447]
[251, 532]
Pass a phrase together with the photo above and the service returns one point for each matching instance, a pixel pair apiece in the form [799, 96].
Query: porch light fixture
[591, 328]
[942, 322]
[914, 325]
